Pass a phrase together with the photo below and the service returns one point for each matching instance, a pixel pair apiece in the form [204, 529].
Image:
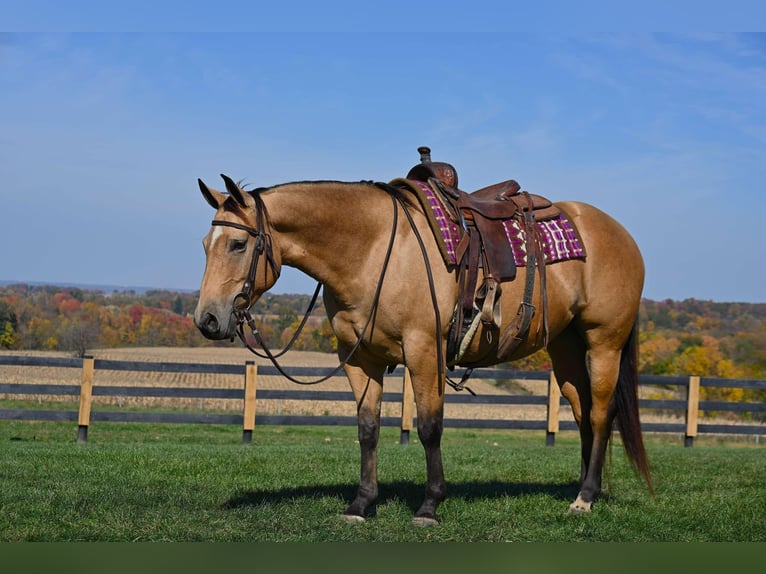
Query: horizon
[141, 290]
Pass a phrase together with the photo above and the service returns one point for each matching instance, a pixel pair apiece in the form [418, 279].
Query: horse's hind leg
[568, 354]
[367, 385]
[588, 373]
[604, 367]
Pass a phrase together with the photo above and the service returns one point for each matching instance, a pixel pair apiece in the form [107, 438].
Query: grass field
[136, 482]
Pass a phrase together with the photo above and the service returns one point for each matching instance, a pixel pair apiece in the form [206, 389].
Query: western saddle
[484, 245]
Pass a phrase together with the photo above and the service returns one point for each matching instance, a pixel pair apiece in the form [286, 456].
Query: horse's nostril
[210, 323]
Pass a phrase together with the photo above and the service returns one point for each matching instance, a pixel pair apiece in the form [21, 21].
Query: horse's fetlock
[437, 492]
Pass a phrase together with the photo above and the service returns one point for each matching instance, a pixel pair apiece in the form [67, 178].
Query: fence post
[86, 396]
[407, 411]
[692, 410]
[554, 400]
[248, 416]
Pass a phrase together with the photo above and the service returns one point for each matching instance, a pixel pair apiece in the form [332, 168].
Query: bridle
[263, 248]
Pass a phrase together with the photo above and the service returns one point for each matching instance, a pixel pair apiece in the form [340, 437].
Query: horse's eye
[238, 245]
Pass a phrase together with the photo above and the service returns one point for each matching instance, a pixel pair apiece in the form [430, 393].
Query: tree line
[703, 338]
[689, 337]
[74, 320]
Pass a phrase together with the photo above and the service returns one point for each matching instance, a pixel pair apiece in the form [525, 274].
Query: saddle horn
[426, 169]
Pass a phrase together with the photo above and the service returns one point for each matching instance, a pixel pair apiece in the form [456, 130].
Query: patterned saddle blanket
[558, 236]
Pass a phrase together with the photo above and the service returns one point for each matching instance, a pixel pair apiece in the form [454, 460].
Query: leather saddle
[482, 216]
[483, 212]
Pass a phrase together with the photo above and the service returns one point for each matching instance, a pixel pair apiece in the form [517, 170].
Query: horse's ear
[235, 191]
[214, 198]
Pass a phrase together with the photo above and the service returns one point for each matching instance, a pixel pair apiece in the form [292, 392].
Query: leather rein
[242, 301]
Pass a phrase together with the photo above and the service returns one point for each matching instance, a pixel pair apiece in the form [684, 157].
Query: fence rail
[87, 389]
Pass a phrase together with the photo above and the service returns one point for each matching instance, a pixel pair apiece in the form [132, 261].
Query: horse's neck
[330, 230]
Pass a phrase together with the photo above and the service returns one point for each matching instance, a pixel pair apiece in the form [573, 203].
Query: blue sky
[103, 135]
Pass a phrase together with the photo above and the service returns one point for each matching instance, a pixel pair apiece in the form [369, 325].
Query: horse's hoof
[352, 518]
[424, 521]
[579, 506]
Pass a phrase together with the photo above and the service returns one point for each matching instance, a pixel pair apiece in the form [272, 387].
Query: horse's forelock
[231, 205]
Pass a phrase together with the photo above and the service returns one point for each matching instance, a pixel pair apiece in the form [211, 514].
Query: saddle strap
[474, 253]
[519, 327]
[541, 268]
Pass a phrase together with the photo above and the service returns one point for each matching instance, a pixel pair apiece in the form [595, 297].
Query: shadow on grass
[410, 493]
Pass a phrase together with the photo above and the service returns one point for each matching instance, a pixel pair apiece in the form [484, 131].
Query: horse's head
[242, 262]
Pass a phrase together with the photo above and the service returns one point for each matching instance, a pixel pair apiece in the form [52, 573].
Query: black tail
[626, 399]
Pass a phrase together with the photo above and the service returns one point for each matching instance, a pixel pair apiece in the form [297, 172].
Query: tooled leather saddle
[481, 219]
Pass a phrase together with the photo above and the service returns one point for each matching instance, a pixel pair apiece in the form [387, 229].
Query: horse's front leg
[429, 398]
[367, 384]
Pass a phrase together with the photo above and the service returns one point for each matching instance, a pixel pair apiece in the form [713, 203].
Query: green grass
[136, 482]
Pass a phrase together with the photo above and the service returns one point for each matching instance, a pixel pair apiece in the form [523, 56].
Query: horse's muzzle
[212, 327]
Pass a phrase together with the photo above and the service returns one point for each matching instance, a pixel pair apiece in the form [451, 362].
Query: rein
[459, 386]
[247, 318]
[242, 313]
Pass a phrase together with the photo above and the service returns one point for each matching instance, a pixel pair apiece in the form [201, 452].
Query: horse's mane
[231, 205]
[397, 192]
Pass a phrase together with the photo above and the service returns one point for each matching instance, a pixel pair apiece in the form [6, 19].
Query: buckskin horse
[393, 298]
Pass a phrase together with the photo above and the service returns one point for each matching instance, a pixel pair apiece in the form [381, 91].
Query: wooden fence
[87, 389]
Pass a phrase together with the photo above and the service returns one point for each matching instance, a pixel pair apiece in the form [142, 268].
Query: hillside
[677, 337]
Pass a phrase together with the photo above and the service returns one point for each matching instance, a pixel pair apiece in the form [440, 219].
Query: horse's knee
[430, 431]
[368, 430]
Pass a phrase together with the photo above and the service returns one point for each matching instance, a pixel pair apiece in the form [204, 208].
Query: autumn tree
[8, 325]
[77, 336]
